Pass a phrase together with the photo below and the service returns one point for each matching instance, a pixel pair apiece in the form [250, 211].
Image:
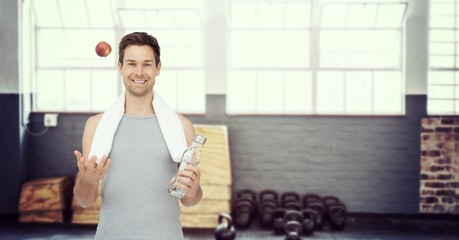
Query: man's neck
[139, 106]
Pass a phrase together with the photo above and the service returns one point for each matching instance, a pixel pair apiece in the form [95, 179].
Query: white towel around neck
[169, 123]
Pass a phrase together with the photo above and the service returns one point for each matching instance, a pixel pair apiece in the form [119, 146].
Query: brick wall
[439, 192]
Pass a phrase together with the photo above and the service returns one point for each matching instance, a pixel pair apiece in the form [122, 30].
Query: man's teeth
[139, 81]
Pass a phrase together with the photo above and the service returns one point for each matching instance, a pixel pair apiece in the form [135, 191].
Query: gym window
[443, 78]
[320, 57]
[63, 73]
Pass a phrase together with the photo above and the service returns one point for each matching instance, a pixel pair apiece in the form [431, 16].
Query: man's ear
[158, 69]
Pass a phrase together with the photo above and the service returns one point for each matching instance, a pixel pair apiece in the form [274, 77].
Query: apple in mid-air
[103, 49]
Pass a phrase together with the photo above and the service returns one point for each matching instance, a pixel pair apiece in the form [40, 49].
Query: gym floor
[359, 226]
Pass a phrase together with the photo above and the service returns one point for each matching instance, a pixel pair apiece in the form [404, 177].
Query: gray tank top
[136, 204]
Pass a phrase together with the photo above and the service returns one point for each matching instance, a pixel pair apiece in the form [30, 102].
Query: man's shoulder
[185, 121]
[94, 120]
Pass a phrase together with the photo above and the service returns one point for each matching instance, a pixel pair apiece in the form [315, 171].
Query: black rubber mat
[371, 227]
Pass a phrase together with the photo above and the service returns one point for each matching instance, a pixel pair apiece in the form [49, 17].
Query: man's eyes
[146, 64]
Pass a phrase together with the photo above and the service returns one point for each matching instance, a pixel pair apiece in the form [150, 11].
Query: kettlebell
[225, 231]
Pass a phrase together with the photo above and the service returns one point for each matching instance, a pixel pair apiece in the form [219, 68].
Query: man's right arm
[90, 174]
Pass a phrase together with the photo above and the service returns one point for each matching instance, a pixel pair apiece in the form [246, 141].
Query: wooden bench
[45, 199]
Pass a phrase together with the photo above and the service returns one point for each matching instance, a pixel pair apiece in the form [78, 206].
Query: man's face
[139, 69]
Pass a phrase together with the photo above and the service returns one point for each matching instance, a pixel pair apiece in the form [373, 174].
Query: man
[136, 204]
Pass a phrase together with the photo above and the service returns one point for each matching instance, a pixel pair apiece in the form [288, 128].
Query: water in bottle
[191, 156]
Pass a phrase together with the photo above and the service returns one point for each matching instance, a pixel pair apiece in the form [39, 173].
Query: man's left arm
[190, 177]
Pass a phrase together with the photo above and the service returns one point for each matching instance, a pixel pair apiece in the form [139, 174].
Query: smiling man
[136, 173]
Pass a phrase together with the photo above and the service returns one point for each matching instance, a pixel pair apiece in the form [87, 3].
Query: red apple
[103, 49]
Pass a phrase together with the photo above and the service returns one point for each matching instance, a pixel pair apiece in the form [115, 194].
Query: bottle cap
[200, 139]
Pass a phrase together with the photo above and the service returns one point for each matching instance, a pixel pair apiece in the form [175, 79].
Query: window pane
[67, 48]
[77, 96]
[442, 92]
[440, 77]
[362, 15]
[243, 14]
[134, 19]
[180, 48]
[441, 48]
[188, 18]
[441, 61]
[360, 49]
[441, 35]
[440, 107]
[441, 8]
[270, 48]
[270, 14]
[47, 13]
[388, 92]
[390, 15]
[241, 89]
[330, 92]
[191, 92]
[98, 18]
[297, 15]
[269, 92]
[334, 15]
[359, 92]
[298, 92]
[166, 86]
[107, 80]
[74, 13]
[442, 22]
[50, 90]
[160, 19]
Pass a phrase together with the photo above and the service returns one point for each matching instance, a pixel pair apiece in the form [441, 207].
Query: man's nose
[139, 69]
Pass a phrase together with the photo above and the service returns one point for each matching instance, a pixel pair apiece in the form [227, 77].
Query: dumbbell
[243, 213]
[293, 224]
[278, 220]
[268, 194]
[287, 197]
[244, 208]
[319, 209]
[267, 203]
[310, 197]
[327, 202]
[309, 219]
[265, 213]
[337, 214]
[225, 231]
[247, 193]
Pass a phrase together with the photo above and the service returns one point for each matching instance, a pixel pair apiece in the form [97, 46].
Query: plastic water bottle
[191, 156]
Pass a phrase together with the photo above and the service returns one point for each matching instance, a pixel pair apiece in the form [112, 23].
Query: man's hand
[90, 171]
[189, 179]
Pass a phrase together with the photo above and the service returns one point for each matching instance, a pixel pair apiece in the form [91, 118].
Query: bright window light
[77, 96]
[270, 85]
[49, 85]
[442, 79]
[64, 57]
[329, 57]
[47, 13]
[330, 95]
[98, 18]
[359, 86]
[244, 84]
[74, 13]
[297, 92]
